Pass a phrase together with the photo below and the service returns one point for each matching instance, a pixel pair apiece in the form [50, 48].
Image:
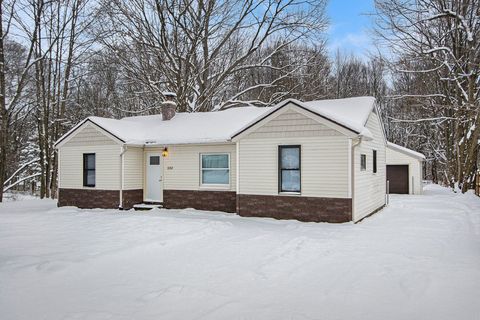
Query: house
[404, 170]
[311, 161]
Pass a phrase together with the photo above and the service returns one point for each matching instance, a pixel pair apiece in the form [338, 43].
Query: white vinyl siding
[395, 157]
[324, 157]
[107, 160]
[133, 168]
[182, 166]
[89, 136]
[370, 187]
[290, 123]
[107, 169]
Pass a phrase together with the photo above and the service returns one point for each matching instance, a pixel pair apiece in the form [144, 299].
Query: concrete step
[147, 206]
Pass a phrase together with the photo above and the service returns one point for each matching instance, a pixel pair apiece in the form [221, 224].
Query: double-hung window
[289, 169]
[215, 169]
[89, 169]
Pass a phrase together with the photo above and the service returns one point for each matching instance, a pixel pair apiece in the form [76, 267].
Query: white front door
[154, 177]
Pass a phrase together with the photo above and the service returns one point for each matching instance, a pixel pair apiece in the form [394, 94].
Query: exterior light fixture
[165, 152]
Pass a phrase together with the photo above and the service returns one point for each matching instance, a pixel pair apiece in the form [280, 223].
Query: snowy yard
[417, 259]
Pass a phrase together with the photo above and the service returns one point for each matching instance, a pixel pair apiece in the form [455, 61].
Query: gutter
[163, 144]
[123, 149]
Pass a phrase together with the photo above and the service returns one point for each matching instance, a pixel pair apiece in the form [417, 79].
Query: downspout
[58, 172]
[123, 149]
[352, 169]
[237, 178]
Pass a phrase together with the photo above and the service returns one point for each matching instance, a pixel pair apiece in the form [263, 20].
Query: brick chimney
[169, 106]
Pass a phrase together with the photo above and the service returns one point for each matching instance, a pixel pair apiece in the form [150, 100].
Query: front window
[215, 169]
[89, 169]
[289, 169]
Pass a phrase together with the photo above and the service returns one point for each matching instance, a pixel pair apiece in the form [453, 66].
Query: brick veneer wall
[89, 198]
[93, 198]
[200, 199]
[131, 197]
[310, 209]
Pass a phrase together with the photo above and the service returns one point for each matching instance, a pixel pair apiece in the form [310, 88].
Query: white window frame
[216, 185]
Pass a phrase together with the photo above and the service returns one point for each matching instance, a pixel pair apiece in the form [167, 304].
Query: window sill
[284, 193]
[215, 187]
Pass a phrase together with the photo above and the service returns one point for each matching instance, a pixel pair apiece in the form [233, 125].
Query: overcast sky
[350, 26]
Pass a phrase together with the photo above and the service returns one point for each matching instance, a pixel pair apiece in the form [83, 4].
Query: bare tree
[61, 28]
[442, 40]
[35, 83]
[12, 85]
[196, 47]
[351, 77]
[297, 71]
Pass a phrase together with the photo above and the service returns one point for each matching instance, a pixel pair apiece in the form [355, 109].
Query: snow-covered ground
[417, 259]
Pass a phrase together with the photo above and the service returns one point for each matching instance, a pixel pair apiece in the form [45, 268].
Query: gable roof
[406, 151]
[349, 113]
[222, 126]
[183, 128]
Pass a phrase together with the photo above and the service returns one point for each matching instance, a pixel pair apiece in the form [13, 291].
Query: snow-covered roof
[222, 126]
[407, 151]
[350, 113]
[183, 128]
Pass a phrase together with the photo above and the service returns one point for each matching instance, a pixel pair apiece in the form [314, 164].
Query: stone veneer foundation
[308, 209]
[94, 198]
[200, 200]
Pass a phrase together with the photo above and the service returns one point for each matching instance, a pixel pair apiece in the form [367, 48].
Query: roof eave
[281, 105]
[408, 152]
[71, 131]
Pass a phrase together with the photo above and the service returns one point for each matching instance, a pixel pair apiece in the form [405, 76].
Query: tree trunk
[3, 110]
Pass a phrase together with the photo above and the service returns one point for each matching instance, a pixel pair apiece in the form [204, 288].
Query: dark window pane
[290, 158]
[363, 162]
[90, 161]
[291, 180]
[374, 161]
[91, 177]
[154, 160]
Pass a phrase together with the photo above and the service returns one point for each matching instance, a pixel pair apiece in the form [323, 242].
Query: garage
[404, 169]
[397, 175]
